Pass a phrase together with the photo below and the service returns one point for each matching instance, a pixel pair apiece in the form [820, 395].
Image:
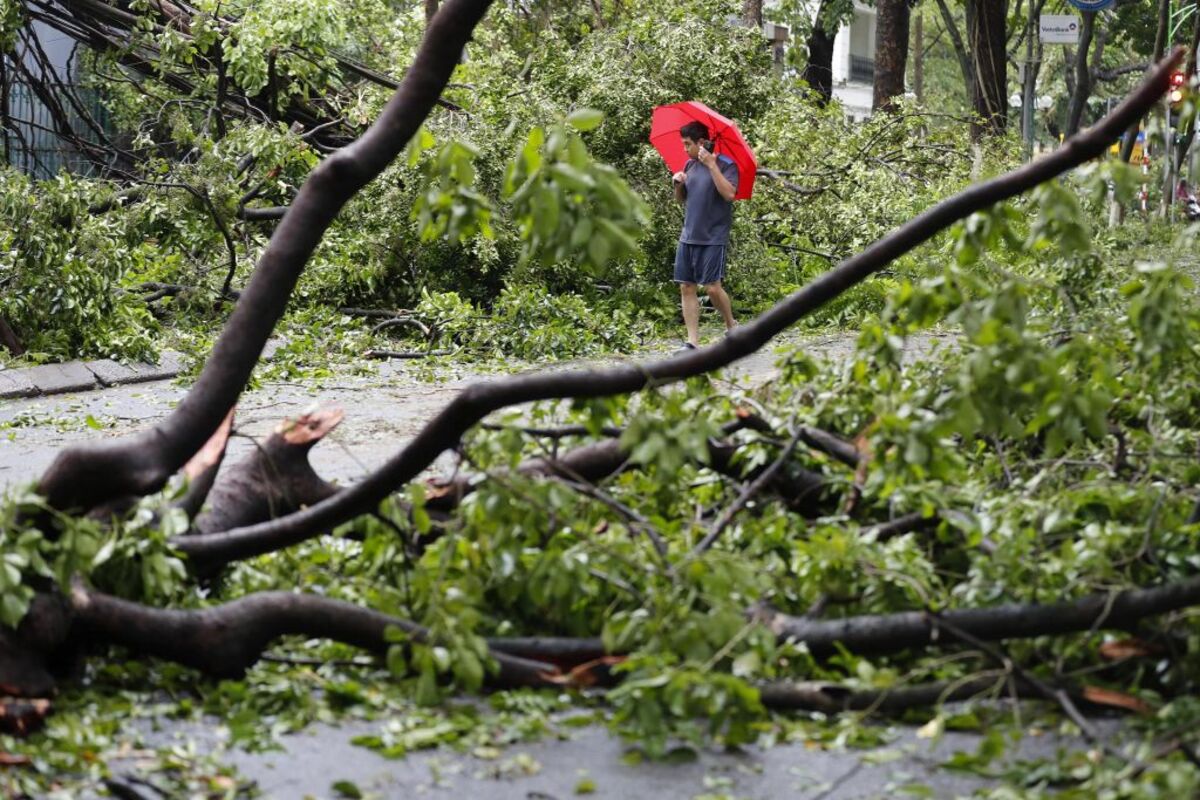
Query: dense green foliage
[473, 209]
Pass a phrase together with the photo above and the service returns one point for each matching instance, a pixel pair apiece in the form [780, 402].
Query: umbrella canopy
[727, 140]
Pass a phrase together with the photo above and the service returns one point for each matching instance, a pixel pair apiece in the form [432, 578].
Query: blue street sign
[1091, 5]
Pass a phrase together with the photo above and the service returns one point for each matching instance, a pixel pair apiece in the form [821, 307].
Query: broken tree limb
[224, 641]
[799, 488]
[275, 479]
[83, 477]
[201, 471]
[909, 523]
[266, 214]
[889, 633]
[830, 445]
[747, 494]
[475, 402]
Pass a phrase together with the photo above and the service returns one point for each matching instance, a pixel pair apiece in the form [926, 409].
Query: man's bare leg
[691, 312]
[720, 301]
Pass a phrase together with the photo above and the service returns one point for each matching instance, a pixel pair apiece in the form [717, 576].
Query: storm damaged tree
[218, 515]
[274, 500]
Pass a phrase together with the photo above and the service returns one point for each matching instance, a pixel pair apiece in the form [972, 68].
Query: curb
[83, 376]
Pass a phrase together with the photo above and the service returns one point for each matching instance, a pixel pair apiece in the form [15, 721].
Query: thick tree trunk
[9, 339]
[818, 72]
[1082, 88]
[752, 13]
[891, 52]
[273, 481]
[919, 55]
[986, 33]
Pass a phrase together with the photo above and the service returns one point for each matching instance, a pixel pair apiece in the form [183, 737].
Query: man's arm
[679, 179]
[723, 185]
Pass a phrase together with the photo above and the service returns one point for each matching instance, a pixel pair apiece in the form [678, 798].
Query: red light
[1177, 78]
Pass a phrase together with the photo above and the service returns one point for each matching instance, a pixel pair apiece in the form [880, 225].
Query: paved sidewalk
[81, 376]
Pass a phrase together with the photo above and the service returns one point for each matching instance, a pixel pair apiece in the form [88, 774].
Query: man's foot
[687, 346]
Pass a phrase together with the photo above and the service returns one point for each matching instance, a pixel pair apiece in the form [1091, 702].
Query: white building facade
[853, 59]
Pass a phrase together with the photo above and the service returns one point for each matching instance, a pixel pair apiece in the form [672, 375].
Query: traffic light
[1178, 79]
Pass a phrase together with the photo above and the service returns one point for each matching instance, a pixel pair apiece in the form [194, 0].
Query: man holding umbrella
[706, 186]
[712, 166]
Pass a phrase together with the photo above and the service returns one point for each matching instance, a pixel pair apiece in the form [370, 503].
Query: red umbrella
[727, 140]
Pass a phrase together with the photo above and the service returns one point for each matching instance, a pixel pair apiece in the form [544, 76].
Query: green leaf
[347, 789]
[585, 119]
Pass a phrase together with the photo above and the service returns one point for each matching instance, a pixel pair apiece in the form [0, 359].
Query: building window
[862, 70]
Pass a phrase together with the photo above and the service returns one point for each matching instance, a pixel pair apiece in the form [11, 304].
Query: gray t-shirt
[707, 216]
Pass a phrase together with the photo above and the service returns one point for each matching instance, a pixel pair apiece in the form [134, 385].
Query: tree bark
[818, 71]
[9, 339]
[276, 479]
[919, 55]
[752, 13]
[890, 633]
[986, 32]
[224, 641]
[891, 52]
[1082, 89]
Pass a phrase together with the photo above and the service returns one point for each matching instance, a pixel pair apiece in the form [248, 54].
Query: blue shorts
[699, 263]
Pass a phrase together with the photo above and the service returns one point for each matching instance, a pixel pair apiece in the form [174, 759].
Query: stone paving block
[72, 376]
[169, 365]
[110, 373]
[15, 383]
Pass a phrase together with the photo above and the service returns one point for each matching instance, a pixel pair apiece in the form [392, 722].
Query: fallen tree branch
[588, 463]
[475, 402]
[224, 641]
[917, 521]
[274, 480]
[384, 355]
[889, 633]
[830, 445]
[752, 488]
